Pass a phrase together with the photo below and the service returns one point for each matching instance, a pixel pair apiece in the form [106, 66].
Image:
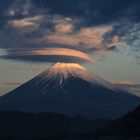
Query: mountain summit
[70, 89]
[61, 72]
[67, 70]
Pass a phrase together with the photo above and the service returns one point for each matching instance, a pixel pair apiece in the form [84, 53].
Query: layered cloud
[90, 26]
[50, 55]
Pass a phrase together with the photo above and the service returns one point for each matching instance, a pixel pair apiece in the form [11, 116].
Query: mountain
[126, 126]
[70, 89]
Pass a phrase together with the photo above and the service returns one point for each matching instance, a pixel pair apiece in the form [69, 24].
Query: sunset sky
[75, 31]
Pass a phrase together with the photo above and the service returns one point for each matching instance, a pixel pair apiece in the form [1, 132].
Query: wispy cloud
[11, 83]
[28, 24]
[124, 82]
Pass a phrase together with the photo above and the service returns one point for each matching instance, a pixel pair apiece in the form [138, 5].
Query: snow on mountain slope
[63, 71]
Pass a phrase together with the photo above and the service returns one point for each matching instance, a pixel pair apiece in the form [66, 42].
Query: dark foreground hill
[51, 126]
[127, 126]
[19, 125]
[124, 128]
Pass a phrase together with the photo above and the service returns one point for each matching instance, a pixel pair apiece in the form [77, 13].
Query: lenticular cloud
[50, 55]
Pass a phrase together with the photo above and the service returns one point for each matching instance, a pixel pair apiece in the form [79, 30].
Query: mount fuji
[70, 89]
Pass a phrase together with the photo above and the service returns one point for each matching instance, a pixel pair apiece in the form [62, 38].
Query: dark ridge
[20, 125]
[126, 126]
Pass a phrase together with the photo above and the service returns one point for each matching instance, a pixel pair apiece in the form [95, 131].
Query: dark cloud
[94, 11]
[112, 48]
[52, 59]
[85, 25]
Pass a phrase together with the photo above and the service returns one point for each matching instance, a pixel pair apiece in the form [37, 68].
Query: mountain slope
[71, 90]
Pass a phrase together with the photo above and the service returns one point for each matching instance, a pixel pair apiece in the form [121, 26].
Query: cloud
[28, 24]
[19, 7]
[87, 38]
[83, 25]
[64, 27]
[124, 34]
[50, 55]
[124, 82]
[11, 83]
[94, 12]
[33, 32]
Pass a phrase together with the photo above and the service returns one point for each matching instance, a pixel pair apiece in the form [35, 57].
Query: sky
[36, 33]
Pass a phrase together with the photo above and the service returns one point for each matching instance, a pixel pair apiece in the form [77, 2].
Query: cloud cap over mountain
[50, 55]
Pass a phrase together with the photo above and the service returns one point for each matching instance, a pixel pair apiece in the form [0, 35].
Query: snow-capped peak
[68, 69]
[61, 72]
